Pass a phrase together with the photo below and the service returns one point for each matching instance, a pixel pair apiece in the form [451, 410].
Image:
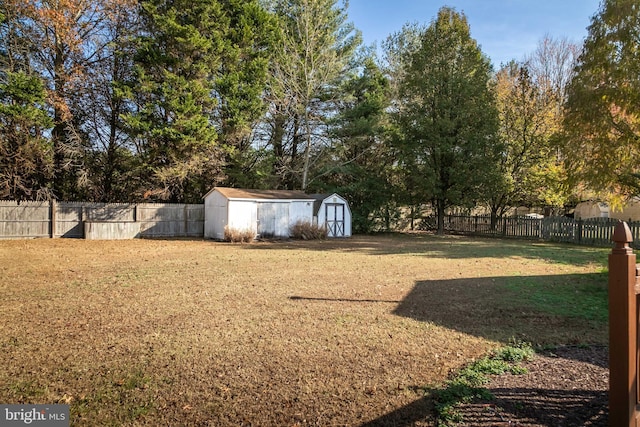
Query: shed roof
[240, 193]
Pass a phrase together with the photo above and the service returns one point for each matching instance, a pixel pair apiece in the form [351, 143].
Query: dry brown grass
[179, 332]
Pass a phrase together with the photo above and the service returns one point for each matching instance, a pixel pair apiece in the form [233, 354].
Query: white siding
[243, 215]
[300, 211]
[273, 218]
[215, 218]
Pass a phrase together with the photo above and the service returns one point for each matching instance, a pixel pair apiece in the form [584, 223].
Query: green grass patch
[469, 383]
[582, 296]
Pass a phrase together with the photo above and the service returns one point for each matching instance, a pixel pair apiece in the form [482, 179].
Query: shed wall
[243, 215]
[273, 219]
[216, 211]
[300, 211]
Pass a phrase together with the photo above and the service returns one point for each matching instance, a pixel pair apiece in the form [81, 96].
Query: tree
[26, 163]
[399, 49]
[601, 125]
[63, 40]
[551, 67]
[447, 118]
[110, 158]
[359, 164]
[249, 38]
[177, 57]
[527, 122]
[314, 55]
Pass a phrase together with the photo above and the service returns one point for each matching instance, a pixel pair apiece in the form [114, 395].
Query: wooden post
[186, 220]
[53, 206]
[623, 331]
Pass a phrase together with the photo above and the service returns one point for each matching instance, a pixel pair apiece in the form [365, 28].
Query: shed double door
[334, 214]
[273, 219]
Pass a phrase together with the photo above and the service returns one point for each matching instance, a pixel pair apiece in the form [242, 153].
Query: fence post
[623, 328]
[53, 206]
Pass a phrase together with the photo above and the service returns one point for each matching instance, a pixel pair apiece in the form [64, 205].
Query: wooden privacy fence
[624, 316]
[592, 231]
[71, 219]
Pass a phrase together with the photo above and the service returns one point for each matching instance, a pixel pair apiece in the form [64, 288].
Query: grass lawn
[339, 332]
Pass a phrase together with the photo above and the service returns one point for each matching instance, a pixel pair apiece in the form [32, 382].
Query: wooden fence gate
[624, 354]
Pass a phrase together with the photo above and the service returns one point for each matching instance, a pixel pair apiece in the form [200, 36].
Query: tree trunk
[307, 151]
[440, 216]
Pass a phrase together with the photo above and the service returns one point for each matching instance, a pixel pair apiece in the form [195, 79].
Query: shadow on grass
[545, 311]
[536, 406]
[542, 310]
[448, 246]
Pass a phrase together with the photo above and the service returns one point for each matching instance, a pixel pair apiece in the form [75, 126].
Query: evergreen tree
[249, 38]
[315, 54]
[26, 155]
[359, 163]
[176, 63]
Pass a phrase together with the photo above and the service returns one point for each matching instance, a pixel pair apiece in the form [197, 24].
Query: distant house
[272, 213]
[591, 209]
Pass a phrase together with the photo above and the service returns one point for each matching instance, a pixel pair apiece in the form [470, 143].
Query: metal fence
[592, 231]
[67, 219]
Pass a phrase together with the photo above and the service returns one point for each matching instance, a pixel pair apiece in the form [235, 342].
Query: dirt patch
[564, 387]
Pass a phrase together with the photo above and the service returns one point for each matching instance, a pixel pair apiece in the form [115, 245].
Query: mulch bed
[567, 386]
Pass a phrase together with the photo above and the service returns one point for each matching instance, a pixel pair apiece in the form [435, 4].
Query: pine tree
[176, 61]
[359, 162]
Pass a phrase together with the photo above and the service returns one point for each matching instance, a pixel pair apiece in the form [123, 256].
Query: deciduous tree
[602, 115]
[447, 118]
[315, 52]
[528, 118]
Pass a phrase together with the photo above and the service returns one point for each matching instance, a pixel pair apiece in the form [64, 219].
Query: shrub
[308, 231]
[235, 235]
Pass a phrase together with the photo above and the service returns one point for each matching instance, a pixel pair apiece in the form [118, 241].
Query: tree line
[155, 100]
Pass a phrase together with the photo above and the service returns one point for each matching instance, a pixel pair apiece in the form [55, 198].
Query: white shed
[333, 211]
[269, 213]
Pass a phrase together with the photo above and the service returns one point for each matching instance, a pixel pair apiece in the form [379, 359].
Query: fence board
[67, 219]
[593, 232]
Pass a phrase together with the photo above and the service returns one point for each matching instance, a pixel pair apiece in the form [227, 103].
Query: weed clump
[469, 383]
[308, 231]
[235, 235]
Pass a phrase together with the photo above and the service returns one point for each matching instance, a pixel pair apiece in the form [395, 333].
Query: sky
[504, 29]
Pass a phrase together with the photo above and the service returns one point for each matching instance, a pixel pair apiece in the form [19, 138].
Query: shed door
[335, 219]
[273, 219]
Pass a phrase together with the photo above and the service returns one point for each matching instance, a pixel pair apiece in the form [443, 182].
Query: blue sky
[505, 29]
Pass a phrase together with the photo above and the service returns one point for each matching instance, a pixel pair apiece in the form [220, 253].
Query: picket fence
[592, 231]
[53, 219]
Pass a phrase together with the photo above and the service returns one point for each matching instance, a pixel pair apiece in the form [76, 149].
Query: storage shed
[272, 213]
[333, 211]
[269, 213]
